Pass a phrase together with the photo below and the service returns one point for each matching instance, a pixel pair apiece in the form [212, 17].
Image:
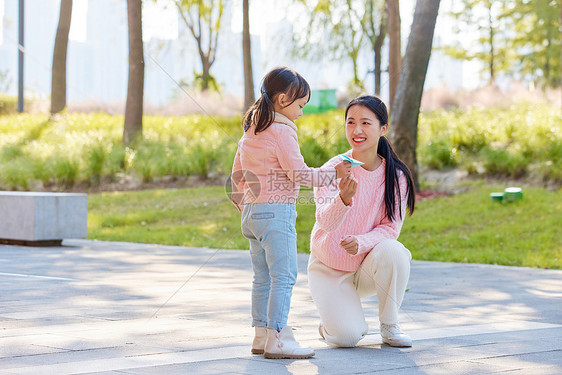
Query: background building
[98, 53]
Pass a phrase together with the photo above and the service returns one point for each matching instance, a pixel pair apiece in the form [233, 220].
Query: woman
[354, 251]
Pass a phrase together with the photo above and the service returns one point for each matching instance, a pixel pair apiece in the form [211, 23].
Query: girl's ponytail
[279, 80]
[261, 113]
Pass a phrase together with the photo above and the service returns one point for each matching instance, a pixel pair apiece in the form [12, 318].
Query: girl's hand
[343, 169]
[348, 188]
[350, 244]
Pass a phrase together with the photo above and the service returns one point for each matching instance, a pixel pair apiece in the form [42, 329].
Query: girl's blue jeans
[270, 228]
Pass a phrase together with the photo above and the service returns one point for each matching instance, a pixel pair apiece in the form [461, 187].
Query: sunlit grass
[467, 227]
[470, 228]
[518, 141]
[522, 141]
[188, 217]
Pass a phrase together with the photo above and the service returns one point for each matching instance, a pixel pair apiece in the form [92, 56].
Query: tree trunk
[492, 50]
[249, 97]
[58, 79]
[21, 39]
[379, 41]
[377, 72]
[205, 75]
[132, 131]
[410, 87]
[395, 56]
[546, 68]
[356, 80]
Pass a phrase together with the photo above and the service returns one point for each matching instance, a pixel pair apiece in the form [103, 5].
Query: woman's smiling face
[363, 129]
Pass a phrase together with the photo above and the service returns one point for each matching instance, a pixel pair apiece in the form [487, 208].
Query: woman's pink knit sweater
[365, 218]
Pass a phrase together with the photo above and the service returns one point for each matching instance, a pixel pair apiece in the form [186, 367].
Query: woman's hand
[350, 244]
[343, 169]
[348, 188]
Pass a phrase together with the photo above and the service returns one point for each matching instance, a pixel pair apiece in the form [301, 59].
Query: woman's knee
[346, 337]
[392, 252]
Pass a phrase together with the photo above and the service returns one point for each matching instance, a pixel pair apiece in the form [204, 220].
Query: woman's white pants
[385, 272]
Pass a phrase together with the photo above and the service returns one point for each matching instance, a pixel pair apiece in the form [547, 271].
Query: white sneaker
[393, 336]
[260, 338]
[283, 345]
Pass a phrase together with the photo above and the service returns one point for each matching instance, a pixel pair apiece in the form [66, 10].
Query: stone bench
[42, 219]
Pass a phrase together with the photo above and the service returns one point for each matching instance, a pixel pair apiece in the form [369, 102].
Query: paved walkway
[92, 307]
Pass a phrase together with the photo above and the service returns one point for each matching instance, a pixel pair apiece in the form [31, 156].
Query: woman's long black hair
[393, 163]
[281, 80]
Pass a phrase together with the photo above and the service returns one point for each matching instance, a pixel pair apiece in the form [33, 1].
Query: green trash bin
[321, 101]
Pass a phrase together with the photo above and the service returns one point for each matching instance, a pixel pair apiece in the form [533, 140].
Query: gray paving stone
[231, 366]
[121, 308]
[448, 368]
[539, 370]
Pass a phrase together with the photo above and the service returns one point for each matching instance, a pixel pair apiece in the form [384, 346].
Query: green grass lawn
[467, 227]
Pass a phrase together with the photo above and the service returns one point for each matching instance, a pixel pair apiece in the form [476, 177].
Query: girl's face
[292, 111]
[363, 129]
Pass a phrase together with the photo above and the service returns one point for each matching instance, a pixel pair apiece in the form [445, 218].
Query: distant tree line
[517, 37]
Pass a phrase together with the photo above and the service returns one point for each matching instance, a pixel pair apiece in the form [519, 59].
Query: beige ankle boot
[259, 340]
[283, 345]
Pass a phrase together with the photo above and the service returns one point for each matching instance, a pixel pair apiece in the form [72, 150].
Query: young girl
[267, 171]
[354, 247]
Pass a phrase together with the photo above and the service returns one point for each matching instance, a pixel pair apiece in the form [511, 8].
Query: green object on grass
[321, 101]
[512, 194]
[496, 197]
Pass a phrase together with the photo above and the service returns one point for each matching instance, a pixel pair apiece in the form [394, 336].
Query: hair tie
[264, 93]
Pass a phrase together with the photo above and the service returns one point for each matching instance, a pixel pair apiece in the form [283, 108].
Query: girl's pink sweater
[269, 167]
[365, 218]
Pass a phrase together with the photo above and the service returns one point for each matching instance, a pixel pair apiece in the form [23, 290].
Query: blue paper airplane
[354, 163]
